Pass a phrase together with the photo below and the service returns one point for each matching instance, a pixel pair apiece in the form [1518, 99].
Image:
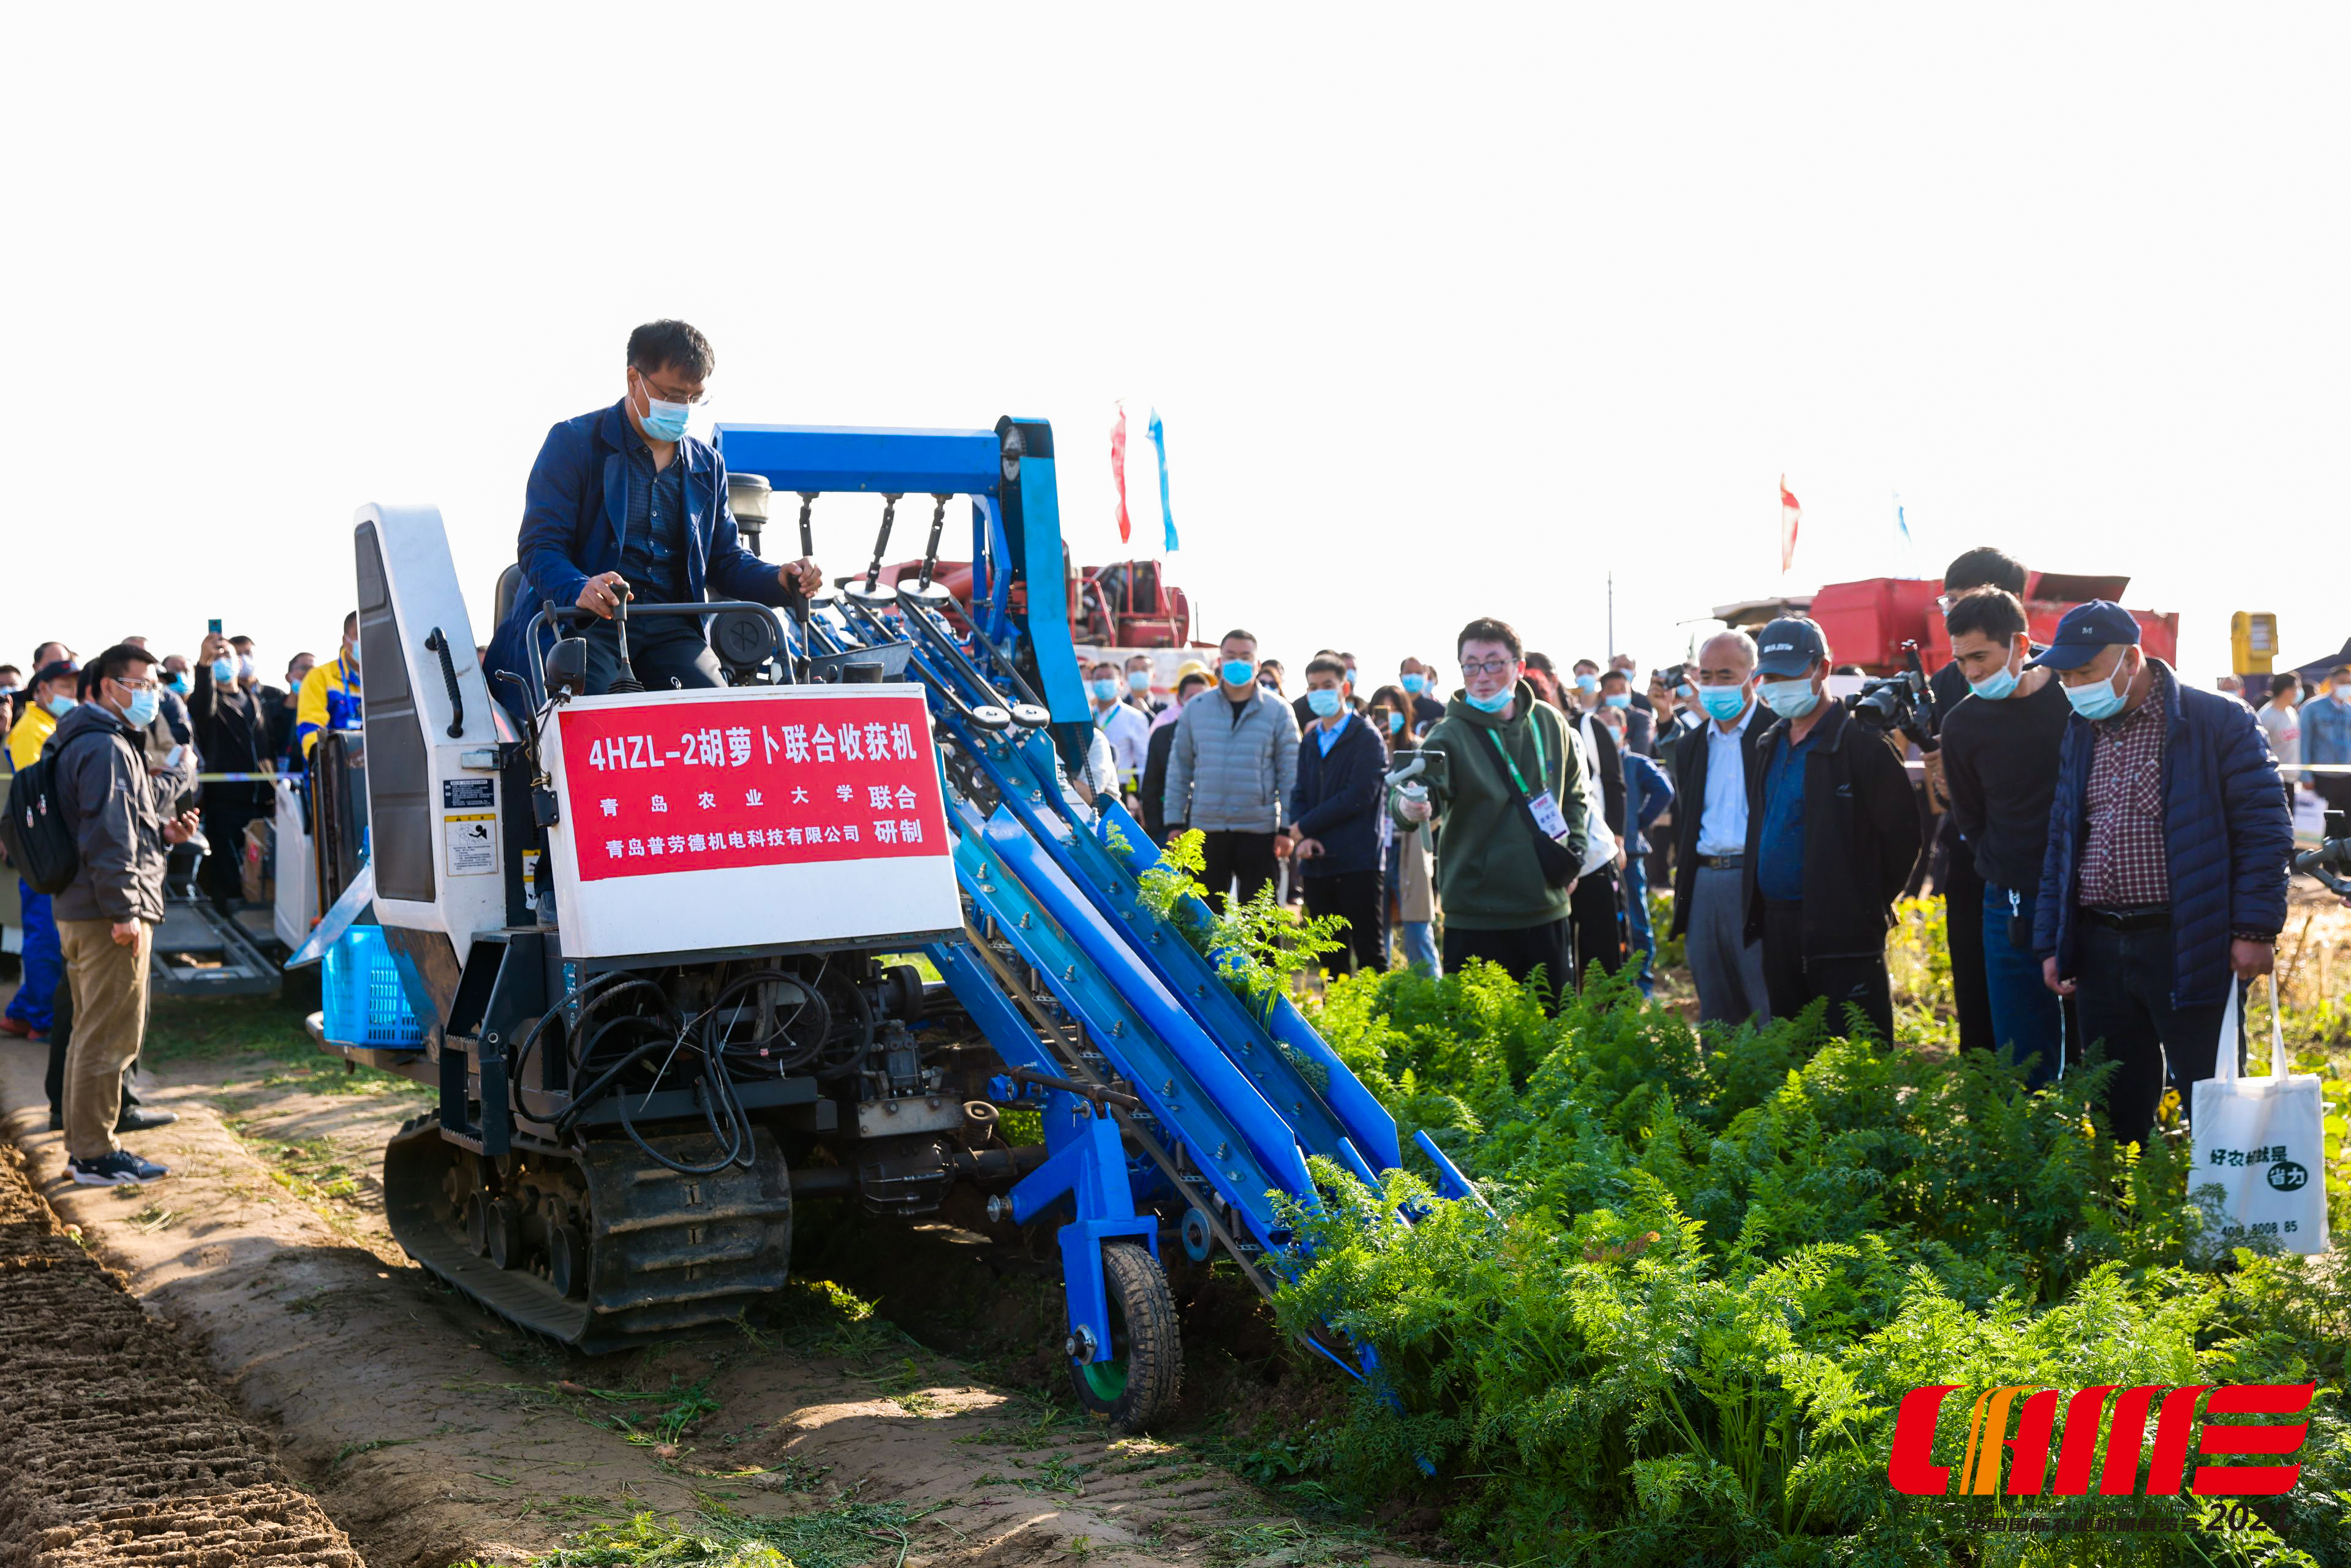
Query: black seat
[509, 584]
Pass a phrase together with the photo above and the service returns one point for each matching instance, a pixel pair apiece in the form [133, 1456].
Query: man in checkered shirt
[2165, 879]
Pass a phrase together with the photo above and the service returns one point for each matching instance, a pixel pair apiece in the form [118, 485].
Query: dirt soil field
[434, 1434]
[115, 1444]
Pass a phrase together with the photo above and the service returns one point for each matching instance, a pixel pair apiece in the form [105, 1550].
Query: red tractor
[1867, 622]
[1127, 604]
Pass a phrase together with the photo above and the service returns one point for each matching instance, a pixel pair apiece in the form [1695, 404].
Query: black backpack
[36, 833]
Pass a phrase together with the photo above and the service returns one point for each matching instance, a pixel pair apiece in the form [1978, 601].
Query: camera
[2330, 862]
[1905, 703]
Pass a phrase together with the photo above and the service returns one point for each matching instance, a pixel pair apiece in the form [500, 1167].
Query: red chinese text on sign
[750, 782]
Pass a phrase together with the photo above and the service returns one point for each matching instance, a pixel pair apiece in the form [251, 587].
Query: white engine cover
[695, 822]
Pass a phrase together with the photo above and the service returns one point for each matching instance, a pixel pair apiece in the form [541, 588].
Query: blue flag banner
[1158, 435]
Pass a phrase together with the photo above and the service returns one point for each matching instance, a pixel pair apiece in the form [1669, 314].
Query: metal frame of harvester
[626, 1123]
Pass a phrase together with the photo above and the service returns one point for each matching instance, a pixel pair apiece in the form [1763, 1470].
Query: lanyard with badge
[1544, 807]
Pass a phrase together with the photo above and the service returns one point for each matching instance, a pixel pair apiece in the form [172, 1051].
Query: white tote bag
[2263, 1142]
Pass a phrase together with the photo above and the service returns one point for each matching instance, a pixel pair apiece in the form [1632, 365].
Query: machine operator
[624, 505]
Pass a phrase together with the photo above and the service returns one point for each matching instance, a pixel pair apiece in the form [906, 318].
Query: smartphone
[213, 625]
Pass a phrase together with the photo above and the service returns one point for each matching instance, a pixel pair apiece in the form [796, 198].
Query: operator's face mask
[663, 420]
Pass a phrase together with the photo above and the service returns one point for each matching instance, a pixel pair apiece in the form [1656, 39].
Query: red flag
[1790, 514]
[1118, 471]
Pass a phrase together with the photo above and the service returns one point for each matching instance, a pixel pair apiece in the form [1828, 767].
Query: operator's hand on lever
[803, 574]
[603, 593]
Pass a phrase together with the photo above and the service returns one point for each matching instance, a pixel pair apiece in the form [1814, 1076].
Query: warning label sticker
[472, 840]
[458, 793]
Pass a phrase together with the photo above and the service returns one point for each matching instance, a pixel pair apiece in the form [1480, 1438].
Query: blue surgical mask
[1724, 703]
[1587, 684]
[1138, 681]
[1415, 684]
[1396, 722]
[141, 712]
[244, 666]
[223, 672]
[1995, 686]
[1105, 689]
[61, 706]
[2105, 699]
[1619, 699]
[665, 421]
[180, 684]
[1789, 699]
[1495, 703]
[1687, 692]
[1325, 701]
[1236, 672]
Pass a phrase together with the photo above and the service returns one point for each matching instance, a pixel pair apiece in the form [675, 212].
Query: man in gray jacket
[107, 916]
[1233, 763]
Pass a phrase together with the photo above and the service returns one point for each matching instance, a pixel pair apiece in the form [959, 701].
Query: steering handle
[435, 643]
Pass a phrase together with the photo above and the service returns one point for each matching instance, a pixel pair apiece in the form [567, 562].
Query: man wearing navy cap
[2165, 878]
[1832, 833]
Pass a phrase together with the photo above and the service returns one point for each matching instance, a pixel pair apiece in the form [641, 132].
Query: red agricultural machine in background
[1126, 604]
[1866, 622]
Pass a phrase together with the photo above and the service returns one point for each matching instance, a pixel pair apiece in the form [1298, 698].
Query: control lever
[808, 544]
[626, 681]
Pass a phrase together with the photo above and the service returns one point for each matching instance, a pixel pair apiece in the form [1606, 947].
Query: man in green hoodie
[1511, 771]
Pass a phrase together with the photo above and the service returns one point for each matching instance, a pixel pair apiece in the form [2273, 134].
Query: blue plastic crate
[365, 1005]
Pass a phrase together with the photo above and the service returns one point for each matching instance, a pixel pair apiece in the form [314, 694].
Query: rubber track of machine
[1155, 1345]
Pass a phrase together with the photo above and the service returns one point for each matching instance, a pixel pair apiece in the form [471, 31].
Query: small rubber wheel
[504, 1228]
[477, 1234]
[566, 1261]
[1133, 1383]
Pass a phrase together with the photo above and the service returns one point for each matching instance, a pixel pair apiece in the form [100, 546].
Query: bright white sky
[1445, 316]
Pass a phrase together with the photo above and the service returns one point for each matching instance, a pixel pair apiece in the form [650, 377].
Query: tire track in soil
[114, 1446]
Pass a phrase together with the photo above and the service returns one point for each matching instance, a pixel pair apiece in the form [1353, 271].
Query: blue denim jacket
[2326, 731]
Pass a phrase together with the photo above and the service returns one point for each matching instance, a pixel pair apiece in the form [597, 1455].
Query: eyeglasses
[132, 682]
[1491, 667]
[665, 395]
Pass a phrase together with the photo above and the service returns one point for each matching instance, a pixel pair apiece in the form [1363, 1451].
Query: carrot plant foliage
[1712, 1268]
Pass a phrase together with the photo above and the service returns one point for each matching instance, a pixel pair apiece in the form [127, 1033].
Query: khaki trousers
[110, 1012]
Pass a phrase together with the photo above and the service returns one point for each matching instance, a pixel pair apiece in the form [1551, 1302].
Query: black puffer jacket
[1861, 835]
[118, 816]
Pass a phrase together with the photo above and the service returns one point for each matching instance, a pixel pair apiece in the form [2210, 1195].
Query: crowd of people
[2114, 842]
[185, 750]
